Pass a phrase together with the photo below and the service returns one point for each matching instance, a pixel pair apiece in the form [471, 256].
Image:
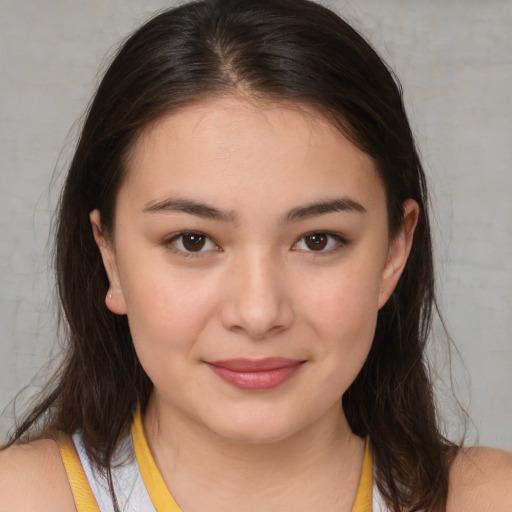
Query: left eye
[193, 242]
[318, 242]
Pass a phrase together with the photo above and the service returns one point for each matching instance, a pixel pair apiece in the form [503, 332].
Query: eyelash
[336, 240]
[171, 243]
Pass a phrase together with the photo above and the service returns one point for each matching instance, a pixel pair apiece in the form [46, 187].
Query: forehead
[227, 148]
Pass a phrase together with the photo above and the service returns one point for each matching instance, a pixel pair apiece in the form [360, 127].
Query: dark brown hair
[293, 50]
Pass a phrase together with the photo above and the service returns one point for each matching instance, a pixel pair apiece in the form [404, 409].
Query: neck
[321, 461]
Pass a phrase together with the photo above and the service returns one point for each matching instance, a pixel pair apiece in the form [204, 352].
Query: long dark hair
[294, 50]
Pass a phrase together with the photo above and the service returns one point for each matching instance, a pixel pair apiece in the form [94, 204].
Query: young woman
[244, 263]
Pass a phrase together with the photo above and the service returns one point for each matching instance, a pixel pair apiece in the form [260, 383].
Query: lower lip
[256, 380]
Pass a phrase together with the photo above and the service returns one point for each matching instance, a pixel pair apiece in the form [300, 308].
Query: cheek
[347, 302]
[166, 311]
[343, 313]
[165, 324]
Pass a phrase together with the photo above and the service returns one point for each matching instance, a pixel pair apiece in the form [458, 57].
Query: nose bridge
[257, 303]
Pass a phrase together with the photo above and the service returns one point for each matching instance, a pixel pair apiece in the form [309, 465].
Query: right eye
[320, 242]
[191, 242]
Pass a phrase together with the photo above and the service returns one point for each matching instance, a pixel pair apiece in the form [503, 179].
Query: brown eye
[316, 241]
[320, 242]
[193, 242]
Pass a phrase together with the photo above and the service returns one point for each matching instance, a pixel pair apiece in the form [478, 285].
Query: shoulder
[32, 477]
[481, 481]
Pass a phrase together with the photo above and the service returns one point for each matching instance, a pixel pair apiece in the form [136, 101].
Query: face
[251, 256]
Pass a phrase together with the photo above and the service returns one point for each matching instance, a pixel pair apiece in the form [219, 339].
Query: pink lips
[256, 374]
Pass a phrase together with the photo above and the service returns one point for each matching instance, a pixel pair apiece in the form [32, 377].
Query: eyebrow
[191, 207]
[210, 212]
[324, 207]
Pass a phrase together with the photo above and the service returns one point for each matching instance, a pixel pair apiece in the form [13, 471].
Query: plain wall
[454, 60]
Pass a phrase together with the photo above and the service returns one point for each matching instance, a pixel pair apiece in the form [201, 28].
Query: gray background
[454, 60]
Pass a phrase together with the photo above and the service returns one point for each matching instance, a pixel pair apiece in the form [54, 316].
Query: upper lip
[256, 365]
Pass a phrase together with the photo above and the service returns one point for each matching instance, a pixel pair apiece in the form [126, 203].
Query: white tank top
[130, 491]
[128, 483]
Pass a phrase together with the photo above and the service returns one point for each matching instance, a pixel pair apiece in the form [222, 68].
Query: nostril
[256, 321]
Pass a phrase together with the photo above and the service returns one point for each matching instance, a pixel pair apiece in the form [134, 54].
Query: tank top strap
[158, 491]
[138, 484]
[82, 492]
[363, 501]
[163, 500]
[89, 485]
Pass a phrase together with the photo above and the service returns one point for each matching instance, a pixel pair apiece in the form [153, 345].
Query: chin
[256, 429]
[251, 437]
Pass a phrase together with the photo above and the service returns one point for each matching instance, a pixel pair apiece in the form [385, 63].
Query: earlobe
[114, 299]
[399, 251]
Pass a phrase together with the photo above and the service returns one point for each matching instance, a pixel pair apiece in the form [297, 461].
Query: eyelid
[340, 241]
[170, 243]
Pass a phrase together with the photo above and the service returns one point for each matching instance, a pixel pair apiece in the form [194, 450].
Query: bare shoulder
[32, 477]
[481, 481]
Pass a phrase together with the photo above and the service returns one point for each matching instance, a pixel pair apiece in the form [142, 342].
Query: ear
[115, 298]
[399, 250]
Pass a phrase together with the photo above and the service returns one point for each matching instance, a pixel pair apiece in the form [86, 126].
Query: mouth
[256, 374]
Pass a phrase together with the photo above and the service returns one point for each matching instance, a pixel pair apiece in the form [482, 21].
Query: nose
[256, 302]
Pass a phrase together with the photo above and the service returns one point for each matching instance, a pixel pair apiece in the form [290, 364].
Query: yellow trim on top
[363, 502]
[159, 494]
[82, 493]
[163, 500]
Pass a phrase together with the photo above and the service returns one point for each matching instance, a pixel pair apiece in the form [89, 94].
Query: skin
[256, 289]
